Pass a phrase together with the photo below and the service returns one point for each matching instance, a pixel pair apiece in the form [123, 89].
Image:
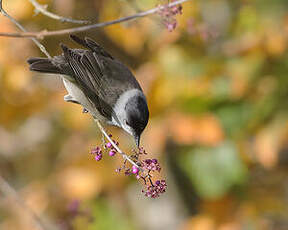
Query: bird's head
[132, 113]
[135, 115]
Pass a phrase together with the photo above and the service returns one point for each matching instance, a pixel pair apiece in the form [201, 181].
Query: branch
[8, 191]
[40, 46]
[46, 33]
[42, 9]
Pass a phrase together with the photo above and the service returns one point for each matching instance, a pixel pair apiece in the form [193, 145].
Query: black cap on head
[137, 116]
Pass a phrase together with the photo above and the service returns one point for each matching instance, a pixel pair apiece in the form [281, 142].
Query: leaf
[214, 171]
[234, 116]
[107, 218]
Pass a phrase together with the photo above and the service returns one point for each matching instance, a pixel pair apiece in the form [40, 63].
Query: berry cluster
[97, 152]
[142, 169]
[151, 165]
[154, 190]
[168, 15]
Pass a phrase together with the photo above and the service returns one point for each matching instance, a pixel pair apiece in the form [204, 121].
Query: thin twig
[42, 9]
[40, 46]
[46, 33]
[124, 155]
[8, 191]
[5, 188]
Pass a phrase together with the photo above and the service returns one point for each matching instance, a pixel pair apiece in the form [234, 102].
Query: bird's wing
[115, 76]
[92, 45]
[88, 74]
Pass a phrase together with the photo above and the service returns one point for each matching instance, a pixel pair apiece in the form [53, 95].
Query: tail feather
[43, 65]
[59, 64]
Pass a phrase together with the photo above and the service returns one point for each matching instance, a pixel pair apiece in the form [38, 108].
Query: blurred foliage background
[217, 88]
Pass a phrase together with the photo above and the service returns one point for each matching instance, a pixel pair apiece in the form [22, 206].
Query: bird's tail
[43, 65]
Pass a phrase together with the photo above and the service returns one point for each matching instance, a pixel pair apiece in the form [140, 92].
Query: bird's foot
[85, 110]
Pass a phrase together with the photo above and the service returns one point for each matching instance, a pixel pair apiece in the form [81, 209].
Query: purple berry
[135, 169]
[108, 145]
[98, 157]
[96, 150]
[112, 153]
[148, 161]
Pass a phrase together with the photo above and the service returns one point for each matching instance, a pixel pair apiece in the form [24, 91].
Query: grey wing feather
[92, 45]
[102, 73]
[101, 77]
[88, 78]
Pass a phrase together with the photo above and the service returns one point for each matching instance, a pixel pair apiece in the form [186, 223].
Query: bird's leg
[85, 110]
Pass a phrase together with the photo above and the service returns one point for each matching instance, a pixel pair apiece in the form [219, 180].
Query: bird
[100, 83]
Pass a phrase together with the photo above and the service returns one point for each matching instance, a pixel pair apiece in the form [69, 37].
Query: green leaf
[234, 116]
[214, 171]
[107, 218]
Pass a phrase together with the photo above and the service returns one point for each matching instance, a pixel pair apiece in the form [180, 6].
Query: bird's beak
[137, 140]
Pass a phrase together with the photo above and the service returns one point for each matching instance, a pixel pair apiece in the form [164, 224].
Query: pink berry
[108, 145]
[112, 153]
[135, 169]
[98, 157]
[96, 150]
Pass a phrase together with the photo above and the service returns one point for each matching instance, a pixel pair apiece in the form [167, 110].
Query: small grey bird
[101, 84]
